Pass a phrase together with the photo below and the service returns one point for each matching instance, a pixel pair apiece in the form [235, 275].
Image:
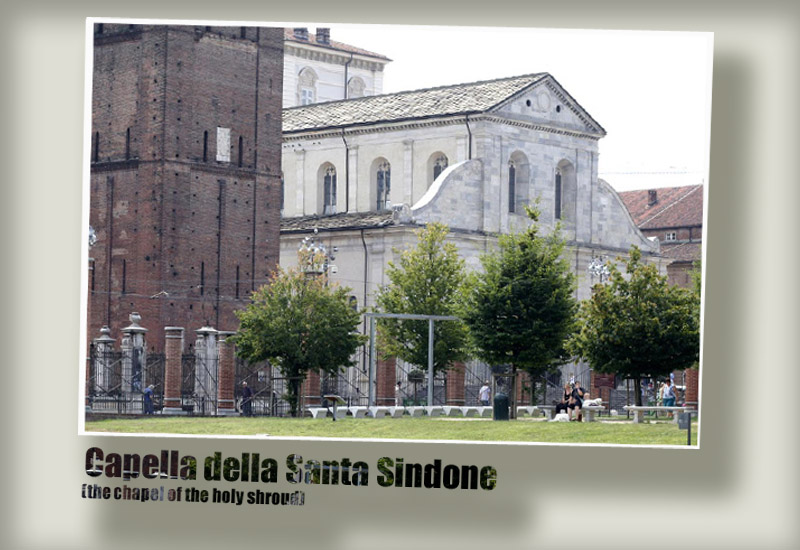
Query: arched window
[383, 182]
[512, 186]
[565, 192]
[518, 182]
[355, 87]
[436, 165]
[557, 199]
[306, 87]
[329, 189]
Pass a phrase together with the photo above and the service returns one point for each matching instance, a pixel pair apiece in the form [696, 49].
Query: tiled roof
[352, 220]
[683, 252]
[331, 45]
[674, 207]
[458, 99]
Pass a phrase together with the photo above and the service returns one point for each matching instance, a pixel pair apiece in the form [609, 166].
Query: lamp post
[598, 268]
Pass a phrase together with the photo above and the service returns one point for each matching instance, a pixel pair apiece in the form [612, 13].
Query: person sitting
[576, 402]
[563, 406]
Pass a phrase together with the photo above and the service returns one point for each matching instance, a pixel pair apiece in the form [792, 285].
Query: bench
[471, 411]
[451, 410]
[379, 412]
[485, 411]
[318, 412]
[638, 412]
[589, 411]
[395, 412]
[358, 412]
[548, 410]
[416, 410]
[434, 410]
[530, 410]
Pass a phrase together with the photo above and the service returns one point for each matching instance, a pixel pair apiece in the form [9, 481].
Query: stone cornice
[415, 124]
[335, 57]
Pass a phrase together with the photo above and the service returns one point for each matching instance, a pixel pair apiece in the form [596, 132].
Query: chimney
[323, 35]
[301, 33]
[653, 196]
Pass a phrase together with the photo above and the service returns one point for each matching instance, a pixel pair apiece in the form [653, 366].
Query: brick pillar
[386, 378]
[523, 381]
[455, 385]
[173, 351]
[88, 385]
[309, 391]
[226, 405]
[692, 388]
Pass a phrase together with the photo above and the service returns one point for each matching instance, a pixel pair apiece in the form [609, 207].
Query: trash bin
[500, 407]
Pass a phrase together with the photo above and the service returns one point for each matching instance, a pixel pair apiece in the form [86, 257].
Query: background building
[185, 173]
[318, 69]
[674, 216]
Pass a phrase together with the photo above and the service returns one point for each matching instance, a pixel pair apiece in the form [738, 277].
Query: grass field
[527, 430]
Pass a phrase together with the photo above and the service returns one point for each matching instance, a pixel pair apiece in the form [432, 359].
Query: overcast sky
[651, 91]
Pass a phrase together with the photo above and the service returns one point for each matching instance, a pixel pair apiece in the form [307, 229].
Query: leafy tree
[522, 308]
[301, 324]
[428, 280]
[638, 325]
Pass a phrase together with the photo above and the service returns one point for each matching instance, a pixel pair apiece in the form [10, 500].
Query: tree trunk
[637, 390]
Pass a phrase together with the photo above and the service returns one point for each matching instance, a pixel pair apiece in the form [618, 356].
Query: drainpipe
[364, 244]
[469, 133]
[346, 73]
[346, 174]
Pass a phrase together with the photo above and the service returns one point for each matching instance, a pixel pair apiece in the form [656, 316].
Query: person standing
[669, 395]
[484, 394]
[247, 400]
[398, 395]
[148, 399]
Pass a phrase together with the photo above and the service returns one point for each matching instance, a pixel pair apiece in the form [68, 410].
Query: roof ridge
[672, 204]
[418, 90]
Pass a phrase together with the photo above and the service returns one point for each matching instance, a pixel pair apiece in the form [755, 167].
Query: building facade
[185, 173]
[362, 175]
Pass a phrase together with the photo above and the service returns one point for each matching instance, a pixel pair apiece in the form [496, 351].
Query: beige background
[739, 490]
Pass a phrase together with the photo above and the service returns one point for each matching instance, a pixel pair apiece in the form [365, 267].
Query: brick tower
[185, 173]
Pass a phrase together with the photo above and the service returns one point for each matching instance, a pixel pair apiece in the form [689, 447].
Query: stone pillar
[103, 347]
[205, 369]
[692, 388]
[173, 351]
[134, 359]
[226, 404]
[386, 377]
[455, 385]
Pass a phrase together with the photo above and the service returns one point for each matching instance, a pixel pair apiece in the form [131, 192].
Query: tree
[522, 309]
[428, 280]
[301, 324]
[638, 325]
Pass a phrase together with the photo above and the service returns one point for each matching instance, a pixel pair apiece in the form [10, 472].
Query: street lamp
[599, 268]
[313, 257]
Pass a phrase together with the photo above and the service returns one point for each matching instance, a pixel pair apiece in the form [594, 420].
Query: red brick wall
[386, 377]
[455, 385]
[204, 232]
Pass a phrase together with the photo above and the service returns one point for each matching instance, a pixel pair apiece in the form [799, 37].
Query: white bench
[530, 410]
[434, 410]
[589, 411]
[638, 412]
[548, 410]
[451, 410]
[485, 411]
[396, 412]
[358, 412]
[471, 411]
[379, 412]
[318, 412]
[417, 410]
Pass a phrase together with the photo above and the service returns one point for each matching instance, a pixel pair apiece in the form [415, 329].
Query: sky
[651, 91]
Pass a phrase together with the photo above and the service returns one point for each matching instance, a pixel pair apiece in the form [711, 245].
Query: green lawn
[617, 432]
